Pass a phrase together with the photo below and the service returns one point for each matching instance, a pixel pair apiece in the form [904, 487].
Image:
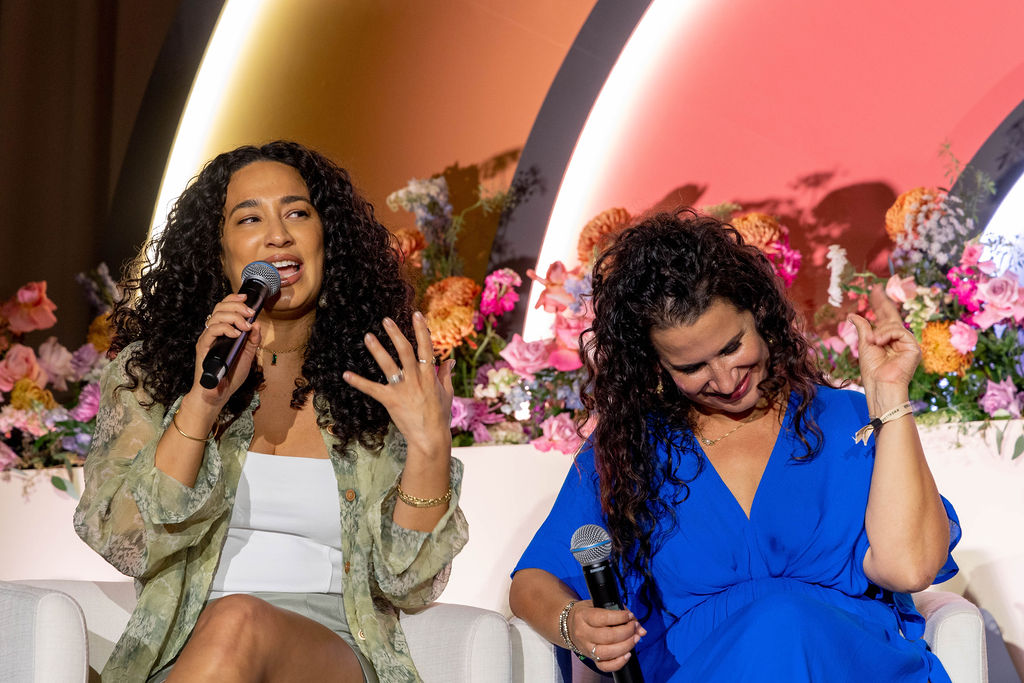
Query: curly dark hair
[178, 278]
[665, 271]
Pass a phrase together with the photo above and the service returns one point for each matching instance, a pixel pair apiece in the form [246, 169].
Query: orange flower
[449, 327]
[760, 230]
[29, 309]
[938, 353]
[598, 233]
[451, 292]
[26, 393]
[101, 333]
[907, 206]
[410, 243]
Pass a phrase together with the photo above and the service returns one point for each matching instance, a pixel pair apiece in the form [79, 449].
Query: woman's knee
[233, 624]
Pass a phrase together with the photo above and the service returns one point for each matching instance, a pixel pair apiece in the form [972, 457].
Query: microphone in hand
[260, 281]
[592, 548]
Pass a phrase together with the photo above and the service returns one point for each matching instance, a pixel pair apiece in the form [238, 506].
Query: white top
[284, 534]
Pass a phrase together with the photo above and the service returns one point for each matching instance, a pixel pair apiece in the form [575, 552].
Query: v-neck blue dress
[781, 596]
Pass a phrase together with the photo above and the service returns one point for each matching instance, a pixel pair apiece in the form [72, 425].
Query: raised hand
[604, 635]
[889, 353]
[417, 396]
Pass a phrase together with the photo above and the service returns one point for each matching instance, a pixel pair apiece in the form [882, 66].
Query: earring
[660, 389]
[322, 301]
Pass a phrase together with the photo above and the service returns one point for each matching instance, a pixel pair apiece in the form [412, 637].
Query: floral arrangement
[510, 390]
[49, 395]
[962, 298]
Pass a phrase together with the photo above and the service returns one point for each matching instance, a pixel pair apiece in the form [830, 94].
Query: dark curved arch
[149, 146]
[554, 134]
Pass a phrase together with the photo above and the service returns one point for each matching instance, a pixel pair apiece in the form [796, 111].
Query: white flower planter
[508, 490]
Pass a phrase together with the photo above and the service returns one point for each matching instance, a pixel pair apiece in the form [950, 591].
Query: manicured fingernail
[643, 631]
[368, 338]
[388, 322]
[627, 656]
[346, 375]
[418, 316]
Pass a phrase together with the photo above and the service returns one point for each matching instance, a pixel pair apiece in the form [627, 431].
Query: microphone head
[265, 273]
[591, 544]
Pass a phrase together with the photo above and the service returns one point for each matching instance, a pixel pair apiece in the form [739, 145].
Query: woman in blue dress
[756, 539]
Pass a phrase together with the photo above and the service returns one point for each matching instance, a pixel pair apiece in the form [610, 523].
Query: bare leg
[243, 638]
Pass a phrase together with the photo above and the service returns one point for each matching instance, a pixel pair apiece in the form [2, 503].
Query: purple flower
[473, 416]
[1001, 396]
[78, 444]
[83, 360]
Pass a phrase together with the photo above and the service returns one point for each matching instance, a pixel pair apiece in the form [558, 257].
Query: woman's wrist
[883, 398]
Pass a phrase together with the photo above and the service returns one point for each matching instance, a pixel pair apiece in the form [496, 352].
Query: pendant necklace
[711, 442]
[274, 354]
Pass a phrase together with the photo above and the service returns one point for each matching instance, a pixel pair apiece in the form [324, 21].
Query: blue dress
[781, 596]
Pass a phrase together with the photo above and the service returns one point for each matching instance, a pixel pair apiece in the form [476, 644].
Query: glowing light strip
[1005, 225]
[633, 72]
[219, 61]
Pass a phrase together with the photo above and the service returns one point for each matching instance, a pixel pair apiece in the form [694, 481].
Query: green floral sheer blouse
[169, 536]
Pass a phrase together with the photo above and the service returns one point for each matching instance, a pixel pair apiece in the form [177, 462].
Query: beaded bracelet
[563, 629]
[422, 502]
[864, 432]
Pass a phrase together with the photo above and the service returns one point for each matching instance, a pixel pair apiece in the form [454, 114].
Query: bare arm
[177, 455]
[538, 598]
[906, 523]
[420, 405]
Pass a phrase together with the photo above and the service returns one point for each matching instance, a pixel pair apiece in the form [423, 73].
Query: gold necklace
[274, 354]
[711, 442]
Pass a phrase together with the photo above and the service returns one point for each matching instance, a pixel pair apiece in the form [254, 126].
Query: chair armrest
[955, 632]
[536, 659]
[458, 644]
[43, 635]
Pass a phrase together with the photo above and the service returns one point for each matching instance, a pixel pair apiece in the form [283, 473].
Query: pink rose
[963, 337]
[972, 252]
[524, 357]
[1001, 396]
[56, 361]
[901, 289]
[560, 433]
[568, 329]
[848, 333]
[29, 309]
[1000, 292]
[20, 362]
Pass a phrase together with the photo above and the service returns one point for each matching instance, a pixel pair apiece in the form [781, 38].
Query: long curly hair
[178, 278]
[665, 271]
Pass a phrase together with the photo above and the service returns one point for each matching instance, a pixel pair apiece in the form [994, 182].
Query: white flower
[836, 263]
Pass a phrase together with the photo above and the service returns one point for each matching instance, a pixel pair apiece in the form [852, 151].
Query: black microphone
[260, 281]
[591, 546]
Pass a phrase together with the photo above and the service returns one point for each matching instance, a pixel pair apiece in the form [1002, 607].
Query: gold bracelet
[174, 421]
[422, 502]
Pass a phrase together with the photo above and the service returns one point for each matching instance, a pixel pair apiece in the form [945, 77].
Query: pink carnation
[559, 433]
[29, 309]
[1001, 396]
[786, 262]
[19, 363]
[499, 295]
[525, 357]
[900, 289]
[88, 403]
[963, 337]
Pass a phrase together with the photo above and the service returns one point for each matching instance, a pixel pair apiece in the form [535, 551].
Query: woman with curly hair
[756, 540]
[276, 523]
